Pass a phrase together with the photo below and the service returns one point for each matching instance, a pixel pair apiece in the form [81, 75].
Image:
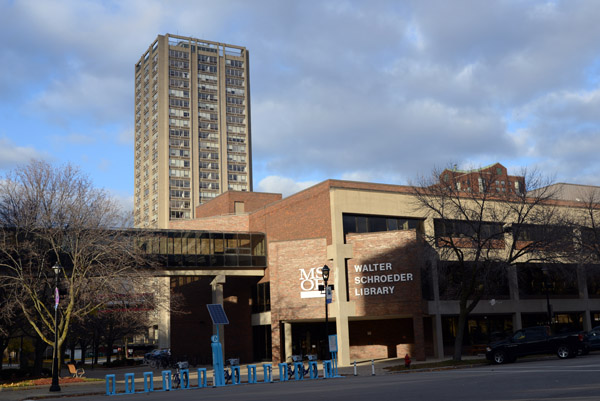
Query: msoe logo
[310, 281]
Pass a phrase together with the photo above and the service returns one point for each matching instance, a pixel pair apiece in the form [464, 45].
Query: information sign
[333, 343]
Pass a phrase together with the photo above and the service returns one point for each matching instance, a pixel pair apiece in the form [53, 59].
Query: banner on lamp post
[56, 297]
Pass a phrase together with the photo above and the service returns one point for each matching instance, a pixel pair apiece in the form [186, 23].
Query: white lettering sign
[386, 279]
[310, 281]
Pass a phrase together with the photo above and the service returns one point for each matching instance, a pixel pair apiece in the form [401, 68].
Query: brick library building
[262, 257]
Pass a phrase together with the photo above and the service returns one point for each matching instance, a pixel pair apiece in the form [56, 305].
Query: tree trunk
[83, 345]
[109, 348]
[39, 350]
[3, 346]
[96, 351]
[460, 333]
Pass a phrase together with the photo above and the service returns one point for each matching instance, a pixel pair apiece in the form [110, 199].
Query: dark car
[594, 339]
[534, 341]
[154, 357]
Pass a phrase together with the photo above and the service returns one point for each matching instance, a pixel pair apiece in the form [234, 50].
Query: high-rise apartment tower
[192, 127]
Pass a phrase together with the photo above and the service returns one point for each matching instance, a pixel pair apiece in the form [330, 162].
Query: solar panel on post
[217, 314]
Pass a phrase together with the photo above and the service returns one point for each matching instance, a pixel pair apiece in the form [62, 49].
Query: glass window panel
[361, 224]
[205, 246]
[169, 245]
[163, 245]
[217, 260]
[184, 245]
[177, 246]
[189, 261]
[349, 222]
[244, 240]
[191, 246]
[392, 224]
[219, 245]
[231, 260]
[244, 260]
[377, 224]
[231, 241]
[258, 244]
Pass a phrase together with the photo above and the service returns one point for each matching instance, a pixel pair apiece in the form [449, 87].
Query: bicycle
[177, 373]
[228, 374]
[291, 367]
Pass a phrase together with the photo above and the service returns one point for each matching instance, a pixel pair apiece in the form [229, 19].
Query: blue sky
[374, 90]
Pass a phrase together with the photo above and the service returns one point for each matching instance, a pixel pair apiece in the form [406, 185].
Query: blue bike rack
[129, 383]
[202, 381]
[327, 370]
[283, 376]
[298, 371]
[313, 370]
[268, 373]
[166, 380]
[148, 382]
[251, 374]
[110, 385]
[185, 378]
[235, 374]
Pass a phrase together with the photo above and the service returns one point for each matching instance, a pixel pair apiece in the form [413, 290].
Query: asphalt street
[543, 379]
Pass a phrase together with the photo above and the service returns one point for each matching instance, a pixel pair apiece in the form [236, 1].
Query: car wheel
[500, 357]
[563, 351]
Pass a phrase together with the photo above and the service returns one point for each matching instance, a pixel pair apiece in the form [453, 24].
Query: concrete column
[517, 323]
[164, 314]
[419, 335]
[287, 332]
[438, 335]
[341, 308]
[583, 294]
[513, 290]
[217, 298]
[513, 283]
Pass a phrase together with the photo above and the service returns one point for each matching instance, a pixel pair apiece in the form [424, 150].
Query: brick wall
[384, 275]
[286, 258]
[384, 280]
[230, 223]
[303, 215]
[225, 203]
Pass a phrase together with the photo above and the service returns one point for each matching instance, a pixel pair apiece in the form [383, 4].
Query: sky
[378, 91]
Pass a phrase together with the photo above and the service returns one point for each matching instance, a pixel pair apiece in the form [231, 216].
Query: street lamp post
[325, 272]
[546, 285]
[55, 386]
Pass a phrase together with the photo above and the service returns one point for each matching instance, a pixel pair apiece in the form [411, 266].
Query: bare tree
[481, 227]
[51, 215]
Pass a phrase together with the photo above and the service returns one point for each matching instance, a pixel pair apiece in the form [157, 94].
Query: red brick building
[387, 297]
[377, 309]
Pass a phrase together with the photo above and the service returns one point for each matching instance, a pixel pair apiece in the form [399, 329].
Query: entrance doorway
[309, 338]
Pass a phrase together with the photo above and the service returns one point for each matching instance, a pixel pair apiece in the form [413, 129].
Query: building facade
[492, 178]
[192, 127]
[390, 296]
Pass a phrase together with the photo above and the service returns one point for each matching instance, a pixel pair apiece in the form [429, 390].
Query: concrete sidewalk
[363, 368]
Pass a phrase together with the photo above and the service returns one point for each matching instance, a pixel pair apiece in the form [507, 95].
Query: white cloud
[340, 89]
[12, 155]
[282, 185]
